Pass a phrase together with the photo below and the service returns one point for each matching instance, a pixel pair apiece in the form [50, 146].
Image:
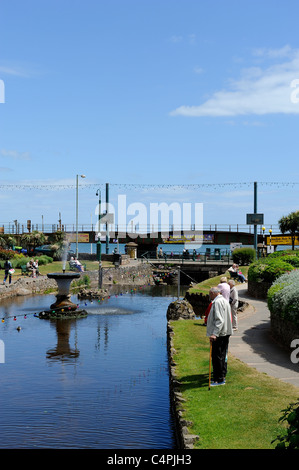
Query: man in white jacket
[219, 329]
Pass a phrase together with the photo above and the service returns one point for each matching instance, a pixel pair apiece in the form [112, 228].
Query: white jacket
[219, 320]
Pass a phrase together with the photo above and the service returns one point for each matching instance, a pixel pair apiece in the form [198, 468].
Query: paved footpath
[253, 345]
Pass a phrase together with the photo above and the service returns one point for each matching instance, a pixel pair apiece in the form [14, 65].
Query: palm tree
[290, 224]
[32, 240]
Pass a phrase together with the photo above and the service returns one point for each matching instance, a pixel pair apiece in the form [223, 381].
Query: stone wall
[258, 290]
[27, 286]
[104, 257]
[139, 274]
[283, 331]
[184, 439]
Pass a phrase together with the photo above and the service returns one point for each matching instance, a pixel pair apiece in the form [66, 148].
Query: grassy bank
[244, 413]
[204, 287]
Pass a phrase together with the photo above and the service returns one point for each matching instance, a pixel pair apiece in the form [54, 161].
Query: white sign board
[233, 246]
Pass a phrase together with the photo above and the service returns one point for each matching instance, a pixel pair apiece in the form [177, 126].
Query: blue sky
[148, 92]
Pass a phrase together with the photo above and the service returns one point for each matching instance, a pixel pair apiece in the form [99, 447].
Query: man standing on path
[234, 303]
[219, 329]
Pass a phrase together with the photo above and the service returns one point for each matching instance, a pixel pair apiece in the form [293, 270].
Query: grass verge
[56, 266]
[204, 286]
[244, 413]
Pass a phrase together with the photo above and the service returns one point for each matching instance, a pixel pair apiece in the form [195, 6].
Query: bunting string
[138, 186]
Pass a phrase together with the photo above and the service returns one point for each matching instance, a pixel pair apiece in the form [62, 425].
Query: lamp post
[270, 231]
[77, 185]
[263, 229]
[99, 246]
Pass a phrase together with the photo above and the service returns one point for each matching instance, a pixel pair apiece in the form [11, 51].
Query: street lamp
[270, 231]
[99, 246]
[77, 185]
[263, 229]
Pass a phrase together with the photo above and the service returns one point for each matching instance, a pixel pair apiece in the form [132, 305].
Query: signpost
[255, 219]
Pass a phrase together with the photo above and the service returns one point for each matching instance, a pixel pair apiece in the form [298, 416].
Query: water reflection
[99, 382]
[63, 351]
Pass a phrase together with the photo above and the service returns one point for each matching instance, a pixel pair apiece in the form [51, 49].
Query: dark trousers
[7, 275]
[219, 353]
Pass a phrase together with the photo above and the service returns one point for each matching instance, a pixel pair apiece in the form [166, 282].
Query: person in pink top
[224, 288]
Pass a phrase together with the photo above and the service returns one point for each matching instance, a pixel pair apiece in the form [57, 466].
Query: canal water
[100, 382]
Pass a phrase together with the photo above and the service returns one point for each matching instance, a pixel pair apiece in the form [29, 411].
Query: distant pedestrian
[234, 303]
[219, 329]
[7, 267]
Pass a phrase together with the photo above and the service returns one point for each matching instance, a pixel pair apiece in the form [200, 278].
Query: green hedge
[283, 297]
[20, 260]
[243, 256]
[268, 269]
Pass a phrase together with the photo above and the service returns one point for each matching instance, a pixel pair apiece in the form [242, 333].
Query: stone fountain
[63, 307]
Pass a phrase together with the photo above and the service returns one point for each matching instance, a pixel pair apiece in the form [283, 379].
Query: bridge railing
[20, 228]
[201, 256]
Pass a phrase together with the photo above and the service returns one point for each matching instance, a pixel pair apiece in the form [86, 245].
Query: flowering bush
[8, 254]
[283, 297]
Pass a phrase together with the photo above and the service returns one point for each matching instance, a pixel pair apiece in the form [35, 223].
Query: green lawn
[56, 266]
[244, 413]
[204, 286]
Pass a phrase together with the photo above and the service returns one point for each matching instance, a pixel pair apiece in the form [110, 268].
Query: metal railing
[199, 256]
[20, 228]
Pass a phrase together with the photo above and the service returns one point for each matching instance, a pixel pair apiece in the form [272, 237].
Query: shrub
[44, 259]
[282, 253]
[283, 297]
[243, 256]
[7, 254]
[290, 439]
[293, 260]
[268, 270]
[83, 282]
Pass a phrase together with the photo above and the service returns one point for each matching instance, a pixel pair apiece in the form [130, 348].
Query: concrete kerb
[253, 344]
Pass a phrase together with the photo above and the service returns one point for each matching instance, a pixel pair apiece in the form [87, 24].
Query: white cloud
[198, 70]
[176, 39]
[258, 91]
[285, 51]
[189, 39]
[16, 71]
[15, 155]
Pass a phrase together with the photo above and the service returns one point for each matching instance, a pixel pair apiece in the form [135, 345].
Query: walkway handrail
[20, 228]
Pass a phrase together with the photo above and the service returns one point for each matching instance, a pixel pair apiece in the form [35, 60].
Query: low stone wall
[104, 257]
[199, 302]
[258, 290]
[184, 439]
[283, 331]
[139, 275]
[27, 286]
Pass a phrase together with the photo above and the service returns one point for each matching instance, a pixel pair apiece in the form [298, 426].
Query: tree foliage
[32, 240]
[290, 224]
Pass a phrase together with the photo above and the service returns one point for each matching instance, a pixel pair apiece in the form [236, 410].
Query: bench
[24, 270]
[27, 272]
[234, 275]
[74, 267]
